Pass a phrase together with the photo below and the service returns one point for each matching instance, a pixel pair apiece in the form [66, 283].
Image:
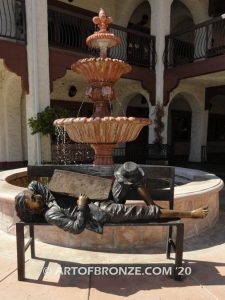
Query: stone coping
[201, 183]
[9, 191]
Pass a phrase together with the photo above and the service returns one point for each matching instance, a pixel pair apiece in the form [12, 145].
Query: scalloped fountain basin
[200, 189]
[101, 69]
[106, 130]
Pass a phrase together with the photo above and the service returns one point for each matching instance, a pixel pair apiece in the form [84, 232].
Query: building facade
[177, 52]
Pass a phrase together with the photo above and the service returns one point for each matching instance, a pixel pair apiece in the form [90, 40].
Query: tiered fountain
[102, 131]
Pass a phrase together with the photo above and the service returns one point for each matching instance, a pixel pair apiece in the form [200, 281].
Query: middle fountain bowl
[102, 131]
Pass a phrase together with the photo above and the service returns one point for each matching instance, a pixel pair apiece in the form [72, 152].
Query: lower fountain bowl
[103, 133]
[106, 130]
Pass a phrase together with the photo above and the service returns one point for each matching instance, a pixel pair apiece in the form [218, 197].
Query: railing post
[207, 40]
[153, 62]
[166, 52]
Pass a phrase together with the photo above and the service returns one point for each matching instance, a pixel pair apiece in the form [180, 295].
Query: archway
[183, 45]
[180, 17]
[140, 19]
[135, 150]
[179, 128]
[186, 122]
[138, 46]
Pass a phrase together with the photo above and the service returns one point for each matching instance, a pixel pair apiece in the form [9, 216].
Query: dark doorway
[136, 150]
[180, 134]
[216, 127]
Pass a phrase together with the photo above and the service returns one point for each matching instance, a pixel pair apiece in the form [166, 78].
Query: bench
[159, 179]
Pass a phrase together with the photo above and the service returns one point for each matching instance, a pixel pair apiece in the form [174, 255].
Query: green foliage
[43, 123]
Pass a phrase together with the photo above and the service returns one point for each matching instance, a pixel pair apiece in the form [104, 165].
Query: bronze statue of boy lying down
[39, 204]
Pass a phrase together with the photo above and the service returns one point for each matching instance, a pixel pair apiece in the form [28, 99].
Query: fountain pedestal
[103, 153]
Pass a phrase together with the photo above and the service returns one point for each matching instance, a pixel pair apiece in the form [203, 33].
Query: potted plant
[43, 122]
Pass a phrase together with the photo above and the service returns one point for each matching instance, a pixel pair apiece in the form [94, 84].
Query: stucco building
[177, 52]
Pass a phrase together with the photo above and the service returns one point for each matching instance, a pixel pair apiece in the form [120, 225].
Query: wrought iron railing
[13, 19]
[201, 41]
[76, 153]
[137, 48]
[145, 154]
[69, 30]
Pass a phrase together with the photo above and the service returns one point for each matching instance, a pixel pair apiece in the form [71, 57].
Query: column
[198, 134]
[160, 27]
[39, 147]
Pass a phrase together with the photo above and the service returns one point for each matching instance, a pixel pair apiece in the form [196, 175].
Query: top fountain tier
[101, 71]
[102, 39]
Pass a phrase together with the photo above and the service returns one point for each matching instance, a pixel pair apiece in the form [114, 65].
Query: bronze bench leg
[169, 241]
[32, 245]
[179, 251]
[20, 251]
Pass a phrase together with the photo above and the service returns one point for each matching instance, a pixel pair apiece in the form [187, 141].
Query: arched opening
[140, 19]
[216, 8]
[179, 128]
[216, 130]
[138, 46]
[180, 18]
[135, 150]
[183, 45]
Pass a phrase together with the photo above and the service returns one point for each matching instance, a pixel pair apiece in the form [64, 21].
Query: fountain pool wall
[195, 188]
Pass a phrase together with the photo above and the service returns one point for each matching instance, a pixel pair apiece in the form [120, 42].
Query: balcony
[68, 30]
[202, 41]
[195, 52]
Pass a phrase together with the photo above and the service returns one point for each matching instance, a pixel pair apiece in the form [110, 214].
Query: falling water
[62, 150]
[59, 134]
[85, 99]
[122, 111]
[82, 152]
[110, 105]
[79, 110]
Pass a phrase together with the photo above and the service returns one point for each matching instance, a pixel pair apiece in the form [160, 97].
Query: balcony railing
[69, 30]
[201, 41]
[12, 19]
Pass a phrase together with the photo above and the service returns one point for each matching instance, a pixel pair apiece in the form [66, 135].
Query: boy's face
[34, 201]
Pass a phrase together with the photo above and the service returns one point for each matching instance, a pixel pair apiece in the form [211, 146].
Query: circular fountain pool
[194, 189]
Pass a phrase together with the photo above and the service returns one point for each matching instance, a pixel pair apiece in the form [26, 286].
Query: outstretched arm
[144, 193]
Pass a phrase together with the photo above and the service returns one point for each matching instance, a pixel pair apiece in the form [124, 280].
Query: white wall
[10, 116]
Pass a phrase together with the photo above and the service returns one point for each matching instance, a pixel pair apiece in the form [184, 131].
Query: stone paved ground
[204, 256]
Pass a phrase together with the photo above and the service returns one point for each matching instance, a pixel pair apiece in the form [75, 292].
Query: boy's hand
[83, 200]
